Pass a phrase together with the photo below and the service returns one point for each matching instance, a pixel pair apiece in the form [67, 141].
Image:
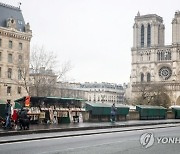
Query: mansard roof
[11, 12]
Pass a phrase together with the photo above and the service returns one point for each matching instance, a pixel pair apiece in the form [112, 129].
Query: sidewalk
[48, 128]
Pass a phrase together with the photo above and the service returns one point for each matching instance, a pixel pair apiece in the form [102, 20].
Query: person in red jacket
[15, 118]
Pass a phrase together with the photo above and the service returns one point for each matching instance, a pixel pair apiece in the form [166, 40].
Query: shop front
[53, 110]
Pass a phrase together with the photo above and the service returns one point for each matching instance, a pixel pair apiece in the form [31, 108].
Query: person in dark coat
[113, 112]
[8, 114]
[23, 119]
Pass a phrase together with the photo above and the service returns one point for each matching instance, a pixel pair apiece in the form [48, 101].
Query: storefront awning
[105, 108]
[2, 102]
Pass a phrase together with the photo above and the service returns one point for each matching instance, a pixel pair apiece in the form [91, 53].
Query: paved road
[126, 142]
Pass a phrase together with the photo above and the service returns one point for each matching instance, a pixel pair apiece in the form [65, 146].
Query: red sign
[27, 101]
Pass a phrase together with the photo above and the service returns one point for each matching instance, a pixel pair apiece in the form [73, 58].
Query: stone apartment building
[92, 92]
[15, 37]
[104, 92]
[153, 62]
[68, 89]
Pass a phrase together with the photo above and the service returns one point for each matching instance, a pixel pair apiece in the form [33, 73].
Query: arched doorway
[178, 101]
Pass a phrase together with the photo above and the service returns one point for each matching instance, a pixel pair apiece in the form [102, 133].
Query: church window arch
[148, 35]
[166, 55]
[148, 56]
[158, 56]
[148, 77]
[159, 29]
[161, 55]
[142, 36]
[142, 77]
[178, 53]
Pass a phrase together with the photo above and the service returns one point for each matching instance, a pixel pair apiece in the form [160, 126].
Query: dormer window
[20, 22]
[11, 23]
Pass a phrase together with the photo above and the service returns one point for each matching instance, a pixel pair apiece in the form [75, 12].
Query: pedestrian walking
[15, 118]
[8, 114]
[113, 113]
[24, 120]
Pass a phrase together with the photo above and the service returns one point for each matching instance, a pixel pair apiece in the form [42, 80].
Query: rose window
[165, 72]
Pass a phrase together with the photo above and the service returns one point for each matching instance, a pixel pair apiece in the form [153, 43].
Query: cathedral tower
[148, 31]
[176, 28]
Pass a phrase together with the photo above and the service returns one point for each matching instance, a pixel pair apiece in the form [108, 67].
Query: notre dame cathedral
[153, 62]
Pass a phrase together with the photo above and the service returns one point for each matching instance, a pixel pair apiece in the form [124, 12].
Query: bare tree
[23, 76]
[152, 94]
[160, 97]
[44, 72]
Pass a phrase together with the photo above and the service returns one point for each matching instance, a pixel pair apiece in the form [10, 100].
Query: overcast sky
[95, 35]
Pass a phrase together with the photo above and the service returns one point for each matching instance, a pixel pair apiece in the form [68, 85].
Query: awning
[20, 99]
[50, 100]
[17, 106]
[176, 111]
[2, 101]
[105, 109]
[151, 112]
[138, 107]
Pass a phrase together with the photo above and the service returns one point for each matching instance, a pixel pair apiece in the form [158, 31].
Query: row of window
[148, 35]
[120, 100]
[9, 90]
[163, 55]
[10, 44]
[148, 77]
[10, 73]
[10, 58]
[108, 98]
[146, 57]
[166, 55]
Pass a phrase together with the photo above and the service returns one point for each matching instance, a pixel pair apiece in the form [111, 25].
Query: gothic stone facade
[152, 61]
[15, 38]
